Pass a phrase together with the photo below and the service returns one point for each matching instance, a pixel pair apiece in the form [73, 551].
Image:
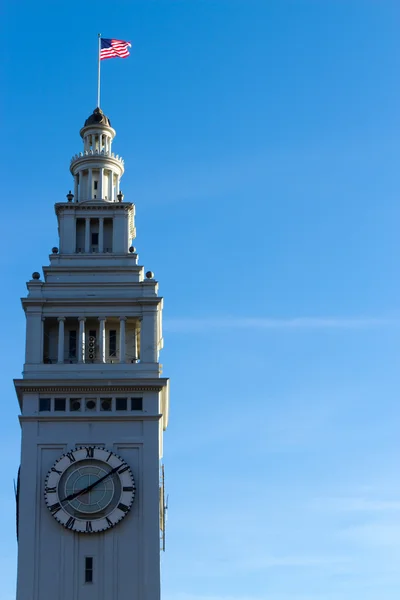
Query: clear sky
[261, 141]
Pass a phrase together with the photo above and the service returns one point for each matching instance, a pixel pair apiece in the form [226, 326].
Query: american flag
[114, 49]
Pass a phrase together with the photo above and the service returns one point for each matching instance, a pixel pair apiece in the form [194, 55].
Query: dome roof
[98, 118]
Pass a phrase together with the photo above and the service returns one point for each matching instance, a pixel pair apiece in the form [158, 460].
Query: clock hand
[89, 487]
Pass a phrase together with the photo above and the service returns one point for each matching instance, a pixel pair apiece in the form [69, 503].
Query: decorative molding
[87, 389]
[87, 206]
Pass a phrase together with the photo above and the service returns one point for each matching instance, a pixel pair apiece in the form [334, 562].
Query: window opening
[112, 348]
[136, 403]
[75, 404]
[105, 404]
[72, 344]
[59, 404]
[44, 404]
[89, 569]
[95, 185]
[92, 344]
[121, 403]
[90, 404]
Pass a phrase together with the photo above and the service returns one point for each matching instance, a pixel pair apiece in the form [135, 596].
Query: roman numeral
[50, 490]
[109, 522]
[127, 489]
[70, 523]
[56, 470]
[54, 508]
[89, 452]
[109, 456]
[123, 469]
[71, 456]
[89, 527]
[123, 507]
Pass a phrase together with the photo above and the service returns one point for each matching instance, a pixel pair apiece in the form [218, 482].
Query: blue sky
[261, 145]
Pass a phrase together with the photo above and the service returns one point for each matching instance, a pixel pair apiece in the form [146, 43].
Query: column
[87, 234]
[135, 342]
[102, 339]
[61, 321]
[116, 187]
[101, 234]
[76, 188]
[101, 181]
[122, 322]
[33, 332]
[90, 185]
[81, 340]
[148, 337]
[42, 341]
[110, 185]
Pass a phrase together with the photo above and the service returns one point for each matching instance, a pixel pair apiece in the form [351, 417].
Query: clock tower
[90, 509]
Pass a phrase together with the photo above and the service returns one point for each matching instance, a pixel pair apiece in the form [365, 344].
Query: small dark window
[44, 404]
[136, 403]
[89, 569]
[105, 404]
[112, 342]
[95, 239]
[95, 185]
[90, 403]
[121, 403]
[59, 404]
[74, 404]
[72, 344]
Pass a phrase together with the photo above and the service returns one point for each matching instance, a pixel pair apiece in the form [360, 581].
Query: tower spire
[96, 170]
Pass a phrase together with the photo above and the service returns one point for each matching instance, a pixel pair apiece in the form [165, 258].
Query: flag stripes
[111, 48]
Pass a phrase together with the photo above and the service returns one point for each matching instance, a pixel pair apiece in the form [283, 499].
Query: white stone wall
[126, 558]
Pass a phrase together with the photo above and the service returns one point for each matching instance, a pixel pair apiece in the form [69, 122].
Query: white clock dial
[89, 489]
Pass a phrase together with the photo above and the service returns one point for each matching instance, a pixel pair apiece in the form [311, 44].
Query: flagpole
[98, 72]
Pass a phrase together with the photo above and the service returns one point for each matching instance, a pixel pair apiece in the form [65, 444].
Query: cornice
[130, 301]
[87, 206]
[77, 268]
[87, 389]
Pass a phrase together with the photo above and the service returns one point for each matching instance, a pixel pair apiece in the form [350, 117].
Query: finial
[149, 274]
[70, 196]
[36, 275]
[132, 249]
[120, 197]
[54, 250]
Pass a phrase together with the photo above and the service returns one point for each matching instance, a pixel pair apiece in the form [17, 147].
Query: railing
[73, 360]
[97, 153]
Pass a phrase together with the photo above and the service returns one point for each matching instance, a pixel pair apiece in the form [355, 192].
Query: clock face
[89, 489]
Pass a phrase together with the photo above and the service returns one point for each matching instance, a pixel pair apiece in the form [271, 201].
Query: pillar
[87, 234]
[110, 185]
[101, 234]
[81, 340]
[148, 337]
[135, 341]
[42, 340]
[102, 339]
[33, 332]
[101, 181]
[60, 357]
[122, 323]
[90, 185]
[76, 188]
